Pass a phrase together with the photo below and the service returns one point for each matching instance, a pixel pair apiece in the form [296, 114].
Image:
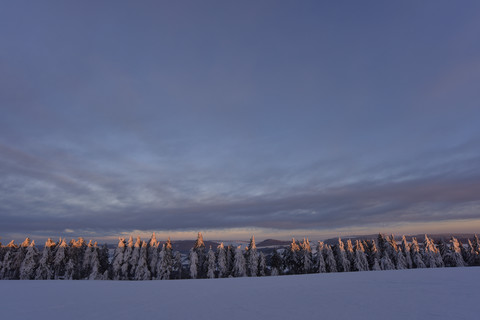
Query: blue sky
[276, 118]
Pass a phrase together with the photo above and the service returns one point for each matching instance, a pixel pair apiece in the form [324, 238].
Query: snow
[446, 293]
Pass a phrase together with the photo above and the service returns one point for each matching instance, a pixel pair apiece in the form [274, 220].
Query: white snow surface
[448, 293]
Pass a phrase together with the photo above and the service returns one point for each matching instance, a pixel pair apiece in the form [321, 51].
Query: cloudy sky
[278, 118]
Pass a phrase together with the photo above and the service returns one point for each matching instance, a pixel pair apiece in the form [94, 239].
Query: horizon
[277, 119]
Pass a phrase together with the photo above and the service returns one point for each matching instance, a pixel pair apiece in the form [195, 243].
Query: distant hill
[273, 242]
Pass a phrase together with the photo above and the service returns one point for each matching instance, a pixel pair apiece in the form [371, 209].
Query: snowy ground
[450, 293]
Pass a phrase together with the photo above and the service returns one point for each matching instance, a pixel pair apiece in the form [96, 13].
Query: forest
[151, 260]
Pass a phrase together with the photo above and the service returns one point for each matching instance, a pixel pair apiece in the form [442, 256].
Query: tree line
[141, 260]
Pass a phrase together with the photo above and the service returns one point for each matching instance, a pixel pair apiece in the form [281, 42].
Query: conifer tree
[373, 256]
[199, 248]
[29, 264]
[306, 260]
[416, 255]
[343, 265]
[152, 255]
[165, 261]
[95, 272]
[135, 257]
[319, 259]
[292, 258]
[193, 262]
[221, 261]
[127, 255]
[142, 271]
[360, 262]
[276, 263]
[454, 257]
[251, 256]
[230, 251]
[60, 261]
[177, 265]
[240, 269]
[44, 270]
[262, 265]
[406, 253]
[8, 271]
[350, 253]
[330, 262]
[117, 261]
[211, 264]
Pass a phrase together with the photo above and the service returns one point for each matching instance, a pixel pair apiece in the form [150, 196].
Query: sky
[273, 118]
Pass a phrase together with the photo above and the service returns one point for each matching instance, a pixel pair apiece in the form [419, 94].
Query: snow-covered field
[448, 293]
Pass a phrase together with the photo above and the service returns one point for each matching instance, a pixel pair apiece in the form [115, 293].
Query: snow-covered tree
[165, 261]
[211, 263]
[95, 269]
[431, 255]
[29, 264]
[8, 271]
[152, 255]
[137, 247]
[142, 271]
[262, 264]
[127, 256]
[330, 262]
[240, 269]
[360, 262]
[416, 255]
[117, 261]
[193, 262]
[230, 251]
[199, 248]
[373, 256]
[319, 259]
[343, 265]
[306, 259]
[454, 257]
[251, 256]
[45, 265]
[406, 252]
[60, 261]
[177, 265]
[221, 261]
[291, 258]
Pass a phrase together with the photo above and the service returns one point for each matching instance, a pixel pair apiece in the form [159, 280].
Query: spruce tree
[142, 271]
[292, 258]
[45, 265]
[416, 255]
[240, 269]
[127, 255]
[199, 248]
[251, 256]
[211, 263]
[60, 260]
[276, 263]
[29, 264]
[262, 265]
[306, 259]
[117, 261]
[330, 262]
[177, 265]
[319, 259]
[406, 253]
[343, 265]
[193, 263]
[221, 261]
